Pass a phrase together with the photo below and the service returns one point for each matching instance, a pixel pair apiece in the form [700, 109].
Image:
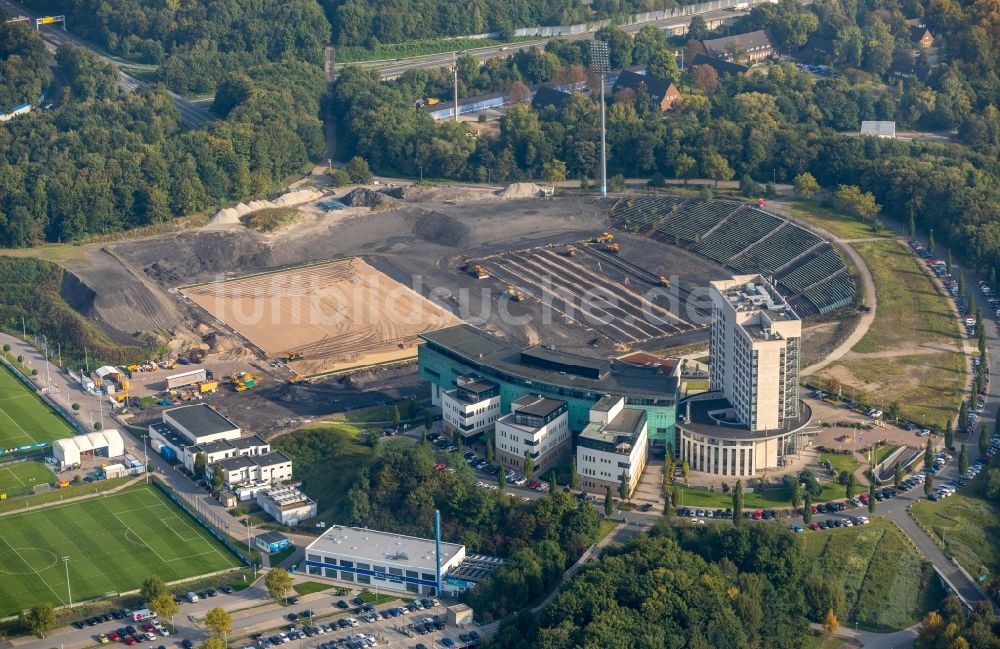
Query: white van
[192, 597]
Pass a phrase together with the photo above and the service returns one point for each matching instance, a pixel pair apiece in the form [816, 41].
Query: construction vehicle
[613, 248]
[294, 378]
[479, 272]
[570, 251]
[664, 281]
[243, 381]
[132, 368]
[433, 101]
[514, 293]
[292, 356]
[605, 237]
[207, 387]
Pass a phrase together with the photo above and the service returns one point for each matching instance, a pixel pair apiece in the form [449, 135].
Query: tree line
[105, 160]
[24, 65]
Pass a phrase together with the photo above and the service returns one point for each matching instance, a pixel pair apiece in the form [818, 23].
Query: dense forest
[24, 66]
[105, 160]
[763, 127]
[195, 43]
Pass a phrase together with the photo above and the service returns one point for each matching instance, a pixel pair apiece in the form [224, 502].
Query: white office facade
[615, 442]
[535, 425]
[471, 408]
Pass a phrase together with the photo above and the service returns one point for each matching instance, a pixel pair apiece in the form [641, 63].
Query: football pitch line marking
[18, 425]
[130, 530]
[173, 528]
[13, 396]
[40, 578]
[13, 475]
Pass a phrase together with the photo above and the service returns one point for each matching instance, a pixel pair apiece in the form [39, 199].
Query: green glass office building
[580, 381]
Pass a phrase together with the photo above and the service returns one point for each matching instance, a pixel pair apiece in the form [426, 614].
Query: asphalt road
[393, 69]
[193, 113]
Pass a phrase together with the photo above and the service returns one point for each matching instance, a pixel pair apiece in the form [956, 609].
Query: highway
[389, 69]
[193, 113]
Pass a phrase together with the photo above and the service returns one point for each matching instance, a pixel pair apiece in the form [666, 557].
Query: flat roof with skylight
[371, 546]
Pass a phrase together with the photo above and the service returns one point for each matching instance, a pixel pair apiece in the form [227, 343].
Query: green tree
[984, 441]
[41, 619]
[716, 167]
[850, 486]
[218, 479]
[893, 411]
[963, 461]
[396, 418]
[554, 171]
[930, 241]
[871, 496]
[428, 421]
[219, 622]
[662, 63]
[685, 167]
[859, 204]
[97, 425]
[623, 486]
[963, 415]
[339, 177]
[489, 450]
[529, 465]
[200, 463]
[574, 476]
[357, 169]
[609, 502]
[76, 407]
[912, 225]
[948, 262]
[796, 494]
[928, 454]
[830, 623]
[738, 503]
[152, 587]
[214, 642]
[278, 582]
[949, 436]
[164, 606]
[502, 479]
[897, 475]
[807, 512]
[685, 468]
[805, 185]
[929, 484]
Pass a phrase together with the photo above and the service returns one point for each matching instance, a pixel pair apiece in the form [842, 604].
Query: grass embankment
[840, 462]
[966, 526]
[911, 353]
[881, 573]
[328, 458]
[391, 51]
[408, 410]
[310, 587]
[778, 498]
[837, 224]
[882, 452]
[272, 220]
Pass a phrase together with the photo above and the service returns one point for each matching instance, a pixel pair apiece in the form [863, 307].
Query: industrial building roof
[475, 568]
[271, 537]
[287, 497]
[481, 349]
[537, 406]
[201, 419]
[606, 403]
[698, 419]
[382, 547]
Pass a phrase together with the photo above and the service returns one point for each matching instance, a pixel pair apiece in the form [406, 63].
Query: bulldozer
[479, 272]
[292, 356]
[514, 293]
[570, 251]
[664, 281]
[605, 237]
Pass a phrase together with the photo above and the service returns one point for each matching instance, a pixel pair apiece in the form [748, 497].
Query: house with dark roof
[818, 49]
[722, 68]
[920, 35]
[752, 46]
[546, 96]
[908, 71]
[662, 92]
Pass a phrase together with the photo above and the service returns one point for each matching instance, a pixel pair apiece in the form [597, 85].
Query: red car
[439, 467]
[758, 515]
[814, 526]
[131, 640]
[534, 484]
[113, 636]
[863, 498]
[148, 628]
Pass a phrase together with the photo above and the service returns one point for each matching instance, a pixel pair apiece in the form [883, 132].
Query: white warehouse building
[105, 443]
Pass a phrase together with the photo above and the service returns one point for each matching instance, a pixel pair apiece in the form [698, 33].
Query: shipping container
[185, 378]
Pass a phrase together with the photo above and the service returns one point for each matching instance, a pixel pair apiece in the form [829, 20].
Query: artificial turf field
[24, 417]
[113, 542]
[20, 477]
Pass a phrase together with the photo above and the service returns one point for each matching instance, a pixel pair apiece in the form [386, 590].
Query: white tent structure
[105, 443]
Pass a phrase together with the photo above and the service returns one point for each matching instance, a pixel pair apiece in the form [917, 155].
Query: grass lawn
[837, 224]
[381, 414]
[840, 462]
[371, 598]
[910, 309]
[770, 499]
[819, 641]
[24, 417]
[309, 587]
[113, 543]
[966, 525]
[23, 476]
[880, 572]
[883, 452]
[56, 495]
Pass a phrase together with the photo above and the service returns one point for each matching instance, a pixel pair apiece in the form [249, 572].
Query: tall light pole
[599, 63]
[69, 593]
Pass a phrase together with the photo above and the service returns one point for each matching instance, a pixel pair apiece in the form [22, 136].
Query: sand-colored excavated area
[336, 315]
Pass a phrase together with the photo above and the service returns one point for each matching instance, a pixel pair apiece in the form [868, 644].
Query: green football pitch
[15, 478]
[112, 543]
[24, 417]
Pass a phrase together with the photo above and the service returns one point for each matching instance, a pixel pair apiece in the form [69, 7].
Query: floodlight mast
[600, 63]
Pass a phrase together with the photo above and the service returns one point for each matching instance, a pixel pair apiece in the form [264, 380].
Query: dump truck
[479, 272]
[604, 237]
[292, 356]
[206, 387]
[570, 251]
[613, 248]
